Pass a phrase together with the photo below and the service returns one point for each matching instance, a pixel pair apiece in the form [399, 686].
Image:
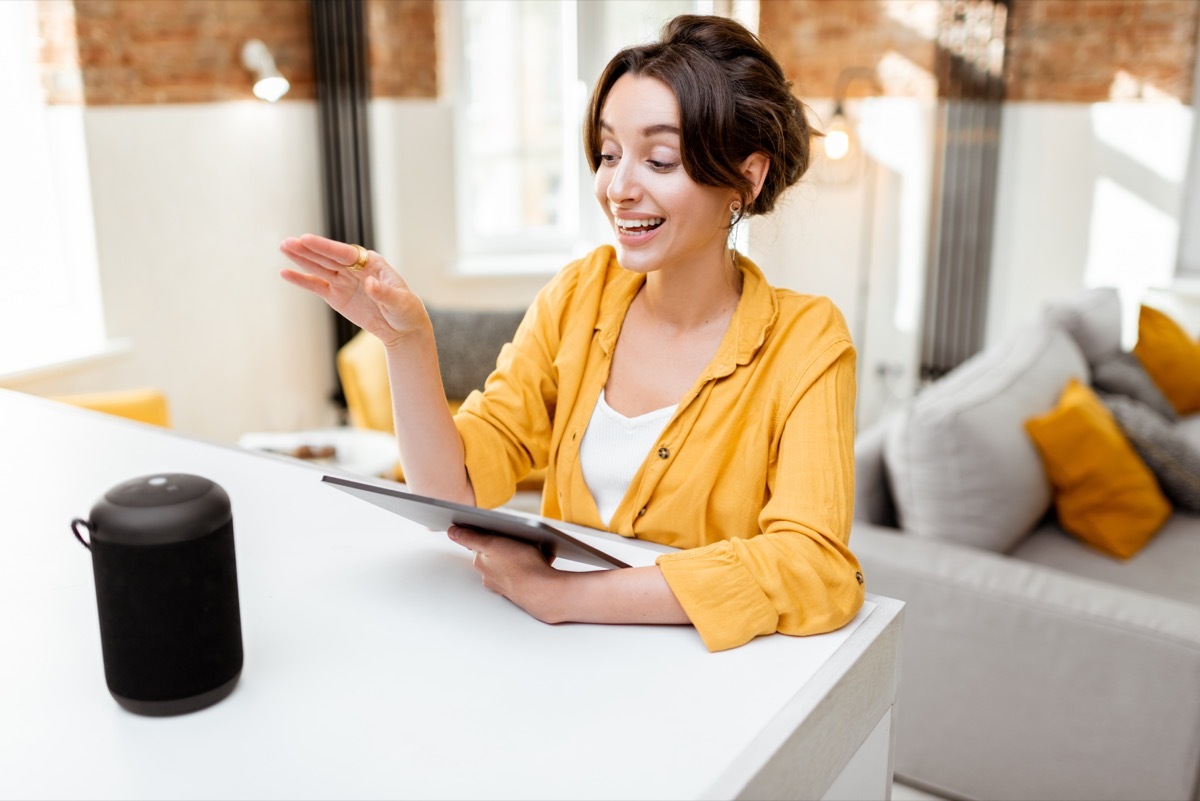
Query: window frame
[585, 56]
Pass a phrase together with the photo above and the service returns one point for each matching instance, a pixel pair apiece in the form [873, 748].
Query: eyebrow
[649, 130]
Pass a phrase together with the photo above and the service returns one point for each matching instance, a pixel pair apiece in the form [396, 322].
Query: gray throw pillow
[1123, 374]
[959, 462]
[468, 342]
[1093, 319]
[1160, 443]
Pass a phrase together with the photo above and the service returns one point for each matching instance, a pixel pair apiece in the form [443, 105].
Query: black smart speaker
[166, 590]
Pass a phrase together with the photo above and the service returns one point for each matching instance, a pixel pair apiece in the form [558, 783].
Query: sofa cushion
[1171, 357]
[1124, 374]
[1103, 492]
[1093, 319]
[468, 342]
[960, 464]
[1163, 446]
[1166, 567]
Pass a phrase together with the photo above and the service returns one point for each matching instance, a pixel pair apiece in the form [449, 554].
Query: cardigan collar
[753, 318]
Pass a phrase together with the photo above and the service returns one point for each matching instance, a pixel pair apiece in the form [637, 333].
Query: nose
[622, 183]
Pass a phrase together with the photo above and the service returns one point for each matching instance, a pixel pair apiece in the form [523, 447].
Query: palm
[388, 310]
[348, 296]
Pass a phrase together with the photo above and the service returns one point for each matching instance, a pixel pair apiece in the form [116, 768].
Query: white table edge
[804, 748]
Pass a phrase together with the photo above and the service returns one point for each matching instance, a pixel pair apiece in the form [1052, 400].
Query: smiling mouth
[638, 227]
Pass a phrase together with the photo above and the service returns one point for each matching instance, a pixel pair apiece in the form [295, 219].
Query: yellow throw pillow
[1103, 492]
[1171, 357]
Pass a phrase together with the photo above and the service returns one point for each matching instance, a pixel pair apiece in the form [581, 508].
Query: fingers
[306, 259]
[330, 253]
[336, 263]
[471, 540]
[321, 257]
[317, 286]
[501, 548]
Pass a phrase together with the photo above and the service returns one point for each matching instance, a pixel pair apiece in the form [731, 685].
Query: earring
[735, 212]
[735, 209]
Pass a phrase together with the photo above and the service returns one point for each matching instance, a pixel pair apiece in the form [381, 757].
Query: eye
[662, 166]
[607, 159]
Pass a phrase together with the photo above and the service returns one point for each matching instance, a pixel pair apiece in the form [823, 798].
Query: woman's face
[660, 216]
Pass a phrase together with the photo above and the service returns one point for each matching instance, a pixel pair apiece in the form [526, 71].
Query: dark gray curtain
[343, 87]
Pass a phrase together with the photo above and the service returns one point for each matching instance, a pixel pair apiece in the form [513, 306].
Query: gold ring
[361, 261]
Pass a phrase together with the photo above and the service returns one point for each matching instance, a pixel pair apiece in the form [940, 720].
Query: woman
[673, 395]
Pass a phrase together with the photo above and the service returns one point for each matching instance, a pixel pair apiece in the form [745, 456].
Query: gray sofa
[1034, 666]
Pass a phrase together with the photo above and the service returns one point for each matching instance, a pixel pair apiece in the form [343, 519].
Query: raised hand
[373, 297]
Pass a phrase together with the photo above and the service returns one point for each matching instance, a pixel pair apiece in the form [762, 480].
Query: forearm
[431, 450]
[631, 595]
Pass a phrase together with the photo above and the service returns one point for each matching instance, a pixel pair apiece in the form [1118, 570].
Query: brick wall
[134, 52]
[106, 52]
[1079, 51]
[403, 48]
[815, 39]
[1084, 51]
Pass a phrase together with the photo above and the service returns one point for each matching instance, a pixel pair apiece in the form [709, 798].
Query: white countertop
[376, 665]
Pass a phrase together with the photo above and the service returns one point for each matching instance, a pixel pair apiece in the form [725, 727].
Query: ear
[755, 168]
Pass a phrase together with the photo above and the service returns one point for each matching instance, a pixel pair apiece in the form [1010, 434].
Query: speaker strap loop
[75, 524]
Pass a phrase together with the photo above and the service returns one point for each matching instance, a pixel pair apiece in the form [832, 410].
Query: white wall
[863, 242]
[190, 204]
[1088, 195]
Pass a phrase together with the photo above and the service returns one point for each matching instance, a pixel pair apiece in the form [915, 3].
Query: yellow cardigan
[754, 474]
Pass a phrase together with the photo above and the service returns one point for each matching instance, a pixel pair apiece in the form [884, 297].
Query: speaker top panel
[159, 509]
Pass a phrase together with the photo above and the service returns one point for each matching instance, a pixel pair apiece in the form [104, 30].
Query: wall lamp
[269, 85]
[840, 143]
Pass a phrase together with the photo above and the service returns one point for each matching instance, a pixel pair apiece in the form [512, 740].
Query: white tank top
[613, 448]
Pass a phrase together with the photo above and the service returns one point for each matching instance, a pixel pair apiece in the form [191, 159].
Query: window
[50, 301]
[517, 192]
[524, 71]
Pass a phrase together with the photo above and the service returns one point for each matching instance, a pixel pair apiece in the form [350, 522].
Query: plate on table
[355, 450]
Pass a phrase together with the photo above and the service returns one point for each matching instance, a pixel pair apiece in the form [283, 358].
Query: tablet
[439, 515]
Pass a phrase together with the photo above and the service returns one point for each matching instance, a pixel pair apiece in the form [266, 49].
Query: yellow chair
[362, 369]
[145, 405]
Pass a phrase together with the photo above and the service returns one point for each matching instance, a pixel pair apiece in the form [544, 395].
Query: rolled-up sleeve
[796, 575]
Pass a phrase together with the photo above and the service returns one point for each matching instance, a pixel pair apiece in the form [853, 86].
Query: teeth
[635, 224]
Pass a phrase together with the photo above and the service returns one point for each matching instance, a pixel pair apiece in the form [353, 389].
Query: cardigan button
[663, 453]
[858, 576]
[641, 511]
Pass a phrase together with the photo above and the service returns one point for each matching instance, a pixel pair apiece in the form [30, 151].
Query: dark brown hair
[733, 101]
